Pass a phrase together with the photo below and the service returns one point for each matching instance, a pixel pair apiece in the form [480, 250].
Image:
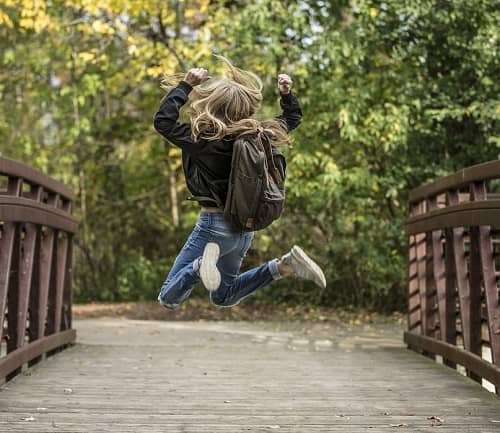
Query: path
[210, 377]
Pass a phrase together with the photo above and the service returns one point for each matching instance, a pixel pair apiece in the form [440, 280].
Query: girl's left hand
[196, 76]
[284, 83]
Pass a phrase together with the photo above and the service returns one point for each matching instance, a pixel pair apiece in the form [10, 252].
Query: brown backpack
[256, 190]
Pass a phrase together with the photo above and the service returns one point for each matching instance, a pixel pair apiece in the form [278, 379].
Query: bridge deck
[134, 376]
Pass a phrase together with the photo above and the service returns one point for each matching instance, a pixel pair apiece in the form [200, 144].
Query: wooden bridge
[136, 376]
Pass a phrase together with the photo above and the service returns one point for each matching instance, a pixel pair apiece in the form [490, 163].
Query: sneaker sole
[209, 274]
[302, 257]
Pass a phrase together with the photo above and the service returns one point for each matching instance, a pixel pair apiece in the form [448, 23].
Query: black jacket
[207, 164]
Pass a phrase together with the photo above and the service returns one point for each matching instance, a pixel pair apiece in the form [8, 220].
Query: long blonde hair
[225, 106]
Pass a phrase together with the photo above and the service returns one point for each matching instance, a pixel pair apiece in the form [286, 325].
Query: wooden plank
[241, 377]
[429, 312]
[448, 304]
[469, 294]
[471, 298]
[15, 186]
[68, 292]
[462, 215]
[489, 277]
[13, 290]
[413, 301]
[443, 282]
[7, 243]
[480, 172]
[473, 362]
[26, 270]
[13, 168]
[40, 298]
[421, 248]
[54, 324]
[422, 281]
[26, 210]
[18, 357]
[491, 291]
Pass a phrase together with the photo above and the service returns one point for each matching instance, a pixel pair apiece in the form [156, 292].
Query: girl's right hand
[196, 76]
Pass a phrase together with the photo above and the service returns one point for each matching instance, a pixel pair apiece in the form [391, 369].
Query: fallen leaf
[436, 421]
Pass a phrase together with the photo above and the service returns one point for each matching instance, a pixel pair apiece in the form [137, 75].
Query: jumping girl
[221, 110]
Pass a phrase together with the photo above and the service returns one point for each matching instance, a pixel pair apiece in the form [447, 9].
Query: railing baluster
[13, 291]
[68, 293]
[469, 295]
[9, 240]
[449, 332]
[421, 247]
[62, 250]
[46, 280]
[25, 280]
[489, 278]
[431, 287]
[445, 297]
[9, 263]
[414, 310]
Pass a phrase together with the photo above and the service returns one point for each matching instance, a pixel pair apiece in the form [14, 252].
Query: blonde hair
[225, 106]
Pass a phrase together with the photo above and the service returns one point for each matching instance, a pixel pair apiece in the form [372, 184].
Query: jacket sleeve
[165, 120]
[291, 112]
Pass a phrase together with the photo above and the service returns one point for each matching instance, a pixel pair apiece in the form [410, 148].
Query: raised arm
[165, 120]
[291, 112]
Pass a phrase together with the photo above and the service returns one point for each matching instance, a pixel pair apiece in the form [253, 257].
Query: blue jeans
[211, 227]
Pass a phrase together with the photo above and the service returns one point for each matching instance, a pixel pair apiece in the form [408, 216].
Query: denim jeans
[211, 227]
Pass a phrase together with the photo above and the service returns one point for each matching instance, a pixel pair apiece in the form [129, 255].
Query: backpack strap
[264, 143]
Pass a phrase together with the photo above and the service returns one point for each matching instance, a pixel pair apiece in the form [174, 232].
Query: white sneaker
[304, 267]
[209, 274]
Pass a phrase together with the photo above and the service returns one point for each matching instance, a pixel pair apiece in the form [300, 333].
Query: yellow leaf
[5, 19]
[26, 23]
[86, 56]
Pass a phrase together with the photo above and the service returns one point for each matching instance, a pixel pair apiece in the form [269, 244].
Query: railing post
[478, 190]
[469, 294]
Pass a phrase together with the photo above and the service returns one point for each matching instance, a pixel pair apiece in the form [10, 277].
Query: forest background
[394, 93]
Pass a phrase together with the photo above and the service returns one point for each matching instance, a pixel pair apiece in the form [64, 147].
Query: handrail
[453, 271]
[19, 209]
[474, 213]
[36, 244]
[476, 173]
[15, 169]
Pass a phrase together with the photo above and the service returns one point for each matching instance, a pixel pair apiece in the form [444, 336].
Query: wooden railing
[36, 238]
[454, 264]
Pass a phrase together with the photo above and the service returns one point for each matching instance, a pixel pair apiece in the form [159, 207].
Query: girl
[221, 110]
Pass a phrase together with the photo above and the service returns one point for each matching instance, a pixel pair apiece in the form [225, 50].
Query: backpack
[256, 189]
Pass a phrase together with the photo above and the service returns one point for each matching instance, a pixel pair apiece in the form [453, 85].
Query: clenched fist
[196, 76]
[284, 83]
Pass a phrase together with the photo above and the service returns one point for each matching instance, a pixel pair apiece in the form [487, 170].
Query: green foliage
[394, 94]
